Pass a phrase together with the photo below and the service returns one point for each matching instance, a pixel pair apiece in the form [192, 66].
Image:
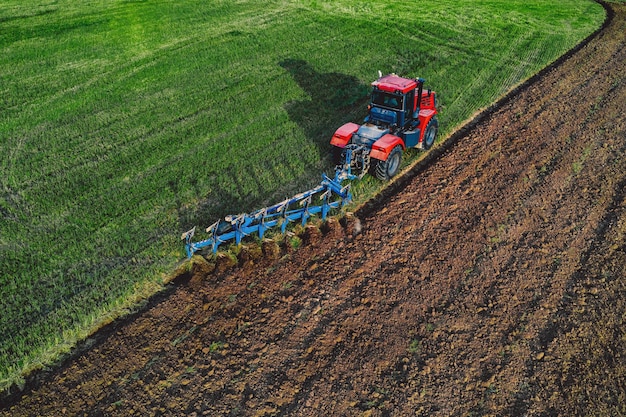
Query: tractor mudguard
[383, 146]
[425, 115]
[424, 118]
[343, 135]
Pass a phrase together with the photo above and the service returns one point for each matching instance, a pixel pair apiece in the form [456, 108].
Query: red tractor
[401, 115]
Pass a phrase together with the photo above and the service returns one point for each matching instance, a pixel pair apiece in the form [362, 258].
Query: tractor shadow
[335, 99]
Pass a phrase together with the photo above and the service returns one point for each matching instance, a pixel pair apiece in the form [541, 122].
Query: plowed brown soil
[492, 283]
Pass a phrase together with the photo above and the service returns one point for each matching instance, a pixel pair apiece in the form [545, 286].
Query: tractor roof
[393, 83]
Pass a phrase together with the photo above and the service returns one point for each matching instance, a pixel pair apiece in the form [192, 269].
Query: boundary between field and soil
[362, 211]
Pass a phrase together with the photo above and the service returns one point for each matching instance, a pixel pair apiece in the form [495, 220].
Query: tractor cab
[394, 102]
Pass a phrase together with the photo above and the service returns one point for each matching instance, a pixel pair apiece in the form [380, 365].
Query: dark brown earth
[491, 283]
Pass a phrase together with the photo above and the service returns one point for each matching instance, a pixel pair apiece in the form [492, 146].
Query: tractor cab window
[410, 102]
[392, 101]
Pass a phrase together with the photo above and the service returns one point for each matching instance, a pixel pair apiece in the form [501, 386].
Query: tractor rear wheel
[385, 170]
[431, 133]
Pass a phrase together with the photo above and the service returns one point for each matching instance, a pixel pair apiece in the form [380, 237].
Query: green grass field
[124, 123]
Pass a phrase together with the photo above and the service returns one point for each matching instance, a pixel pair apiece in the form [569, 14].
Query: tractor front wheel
[385, 170]
[430, 134]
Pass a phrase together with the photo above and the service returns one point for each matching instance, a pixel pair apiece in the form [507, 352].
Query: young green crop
[125, 123]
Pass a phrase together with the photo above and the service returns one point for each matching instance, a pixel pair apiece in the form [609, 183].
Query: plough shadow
[335, 99]
[224, 199]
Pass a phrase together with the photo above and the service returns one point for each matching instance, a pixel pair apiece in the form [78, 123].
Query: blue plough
[297, 208]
